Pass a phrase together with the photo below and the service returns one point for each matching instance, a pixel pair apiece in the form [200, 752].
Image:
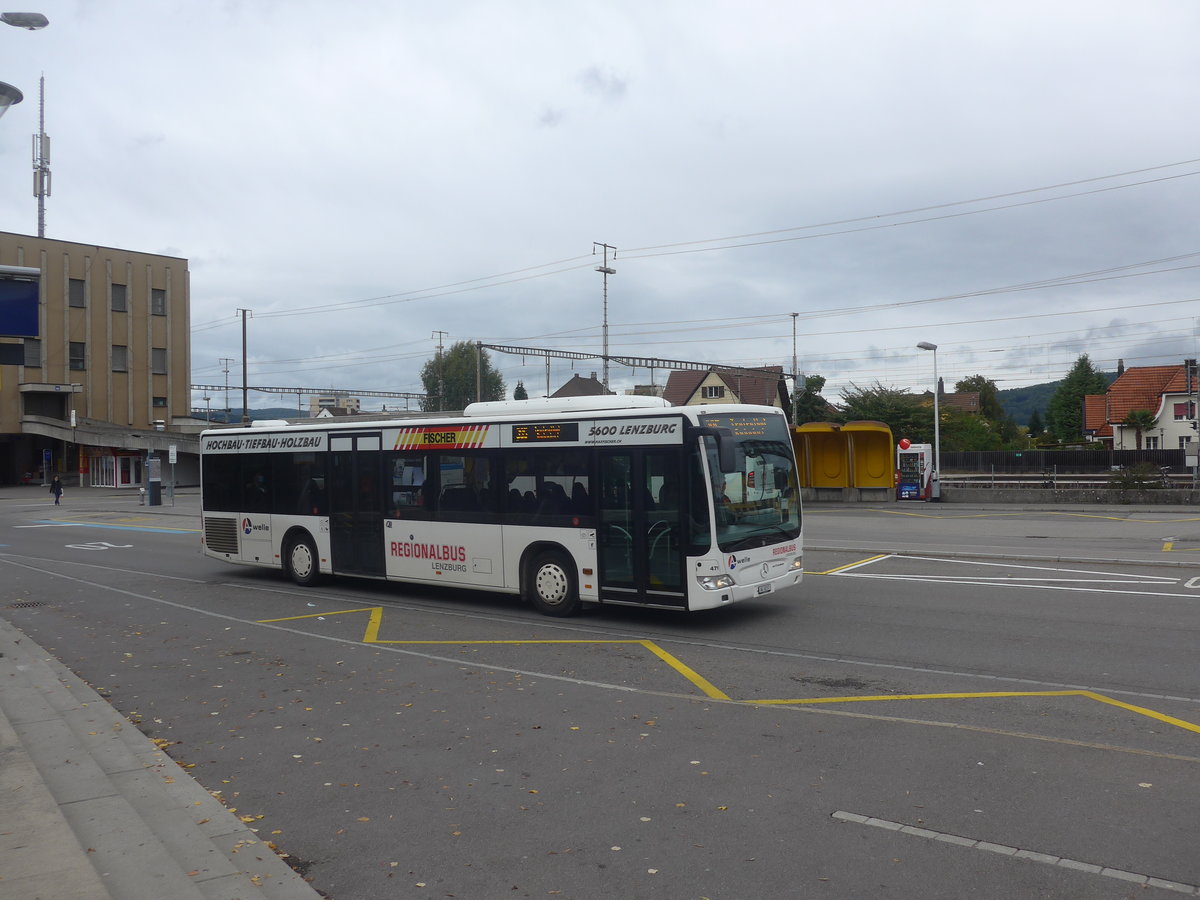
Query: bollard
[141, 496]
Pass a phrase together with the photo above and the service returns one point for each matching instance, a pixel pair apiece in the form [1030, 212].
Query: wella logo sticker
[249, 527]
[732, 561]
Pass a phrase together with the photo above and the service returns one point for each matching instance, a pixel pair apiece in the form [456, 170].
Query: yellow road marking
[340, 612]
[683, 670]
[1091, 695]
[1169, 547]
[861, 562]
[375, 621]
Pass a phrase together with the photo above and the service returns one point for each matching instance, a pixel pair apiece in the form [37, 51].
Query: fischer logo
[248, 526]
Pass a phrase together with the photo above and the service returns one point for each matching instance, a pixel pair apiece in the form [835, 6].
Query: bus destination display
[743, 426]
[545, 433]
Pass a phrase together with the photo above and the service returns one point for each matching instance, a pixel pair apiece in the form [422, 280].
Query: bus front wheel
[552, 585]
[302, 563]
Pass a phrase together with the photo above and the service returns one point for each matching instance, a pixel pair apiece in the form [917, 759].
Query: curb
[93, 810]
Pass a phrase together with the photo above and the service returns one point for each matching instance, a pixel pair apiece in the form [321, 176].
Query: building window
[1184, 441]
[78, 355]
[118, 298]
[75, 294]
[120, 358]
[160, 402]
[1185, 411]
[1151, 442]
[158, 302]
[712, 391]
[158, 361]
[33, 352]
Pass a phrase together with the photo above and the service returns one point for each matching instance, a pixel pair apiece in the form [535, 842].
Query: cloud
[603, 83]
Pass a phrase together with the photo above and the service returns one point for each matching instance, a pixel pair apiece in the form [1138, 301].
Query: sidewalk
[90, 808]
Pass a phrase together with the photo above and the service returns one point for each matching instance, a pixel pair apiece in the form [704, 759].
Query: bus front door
[356, 504]
[641, 559]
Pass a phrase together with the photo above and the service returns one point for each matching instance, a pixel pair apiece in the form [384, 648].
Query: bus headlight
[715, 582]
[797, 564]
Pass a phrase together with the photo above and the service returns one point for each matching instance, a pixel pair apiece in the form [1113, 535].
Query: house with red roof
[764, 386]
[1169, 392]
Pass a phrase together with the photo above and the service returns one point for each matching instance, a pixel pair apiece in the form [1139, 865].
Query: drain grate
[26, 604]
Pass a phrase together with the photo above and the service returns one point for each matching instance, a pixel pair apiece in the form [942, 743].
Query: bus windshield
[759, 502]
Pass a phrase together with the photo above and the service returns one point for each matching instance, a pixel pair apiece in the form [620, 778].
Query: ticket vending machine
[914, 472]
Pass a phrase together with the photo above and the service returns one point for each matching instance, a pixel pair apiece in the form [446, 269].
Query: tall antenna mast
[605, 270]
[41, 160]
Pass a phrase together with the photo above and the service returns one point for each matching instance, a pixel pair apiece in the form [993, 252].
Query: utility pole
[1193, 387]
[245, 313]
[41, 160]
[441, 367]
[795, 374]
[479, 370]
[226, 363]
[605, 270]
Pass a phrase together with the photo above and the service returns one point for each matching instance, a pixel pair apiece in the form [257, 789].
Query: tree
[1035, 424]
[520, 393]
[967, 431]
[907, 415]
[449, 378]
[810, 405]
[1140, 420]
[989, 401]
[1065, 411]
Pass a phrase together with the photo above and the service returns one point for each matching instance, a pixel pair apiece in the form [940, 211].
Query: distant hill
[235, 414]
[1019, 403]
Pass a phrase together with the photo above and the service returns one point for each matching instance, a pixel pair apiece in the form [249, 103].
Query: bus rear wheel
[552, 585]
[302, 563]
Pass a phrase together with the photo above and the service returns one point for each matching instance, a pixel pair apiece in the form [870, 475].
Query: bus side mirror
[726, 458]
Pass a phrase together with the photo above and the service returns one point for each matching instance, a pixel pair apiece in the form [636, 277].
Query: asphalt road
[956, 702]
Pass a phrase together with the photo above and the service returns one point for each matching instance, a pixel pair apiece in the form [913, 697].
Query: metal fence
[1083, 462]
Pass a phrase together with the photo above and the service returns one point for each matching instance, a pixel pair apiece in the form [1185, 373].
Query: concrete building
[334, 402]
[107, 380]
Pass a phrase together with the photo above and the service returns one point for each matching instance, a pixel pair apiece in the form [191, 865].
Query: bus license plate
[764, 588]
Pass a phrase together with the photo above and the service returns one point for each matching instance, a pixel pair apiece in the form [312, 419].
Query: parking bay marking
[51, 523]
[1042, 582]
[375, 623]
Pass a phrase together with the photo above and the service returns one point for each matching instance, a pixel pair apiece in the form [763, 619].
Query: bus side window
[408, 499]
[256, 485]
[219, 477]
[467, 490]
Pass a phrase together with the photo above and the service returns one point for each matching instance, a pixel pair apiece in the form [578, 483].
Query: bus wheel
[302, 563]
[552, 585]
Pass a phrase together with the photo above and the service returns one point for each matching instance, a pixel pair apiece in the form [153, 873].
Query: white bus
[624, 500]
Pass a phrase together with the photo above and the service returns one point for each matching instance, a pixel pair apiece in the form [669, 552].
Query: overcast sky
[1016, 182]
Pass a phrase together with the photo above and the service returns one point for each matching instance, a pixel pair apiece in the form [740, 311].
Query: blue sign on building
[18, 308]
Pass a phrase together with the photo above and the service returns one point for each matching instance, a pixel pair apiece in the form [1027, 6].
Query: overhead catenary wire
[574, 263]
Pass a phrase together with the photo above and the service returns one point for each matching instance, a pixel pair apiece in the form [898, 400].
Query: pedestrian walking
[56, 488]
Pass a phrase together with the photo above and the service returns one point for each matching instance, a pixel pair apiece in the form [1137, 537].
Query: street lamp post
[937, 425]
[9, 95]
